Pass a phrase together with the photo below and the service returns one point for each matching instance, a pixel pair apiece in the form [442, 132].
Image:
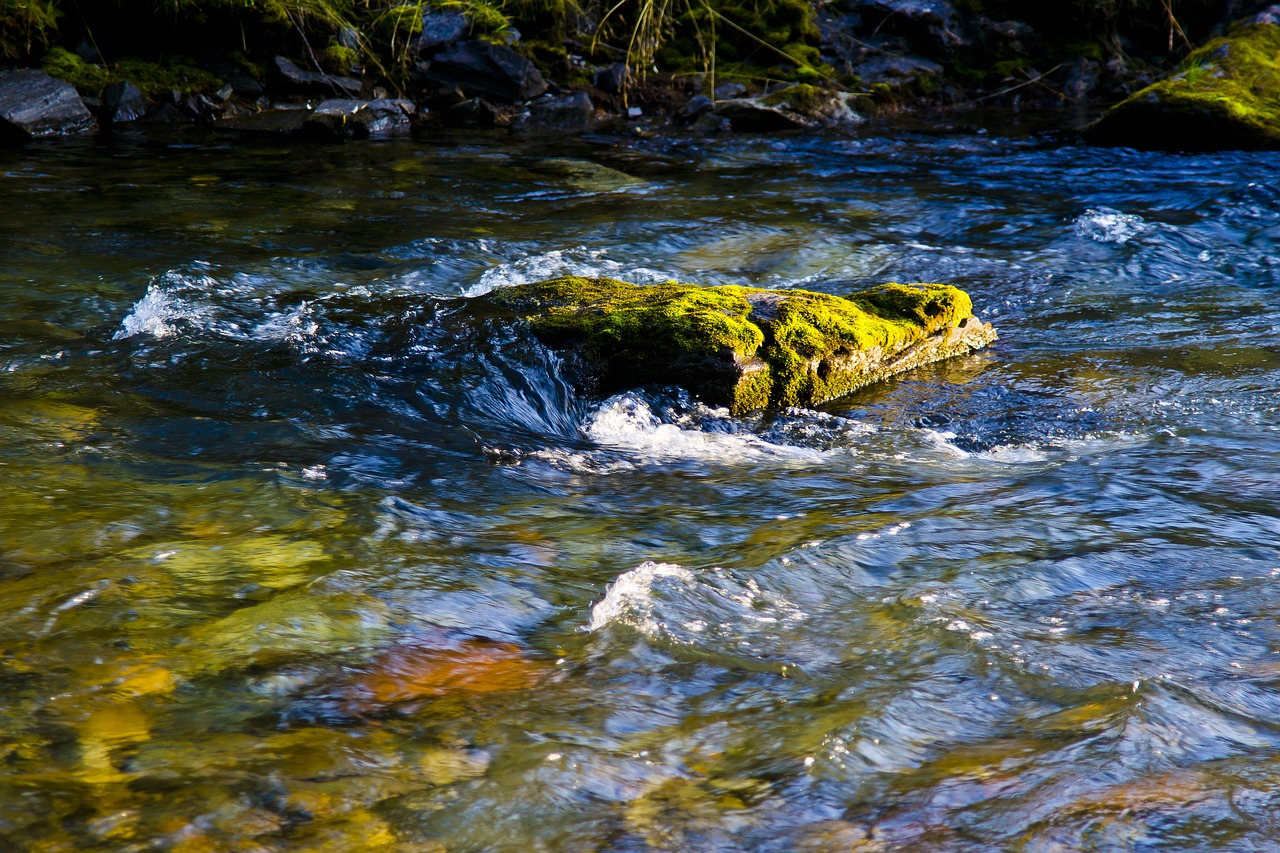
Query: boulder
[348, 118]
[751, 115]
[613, 79]
[314, 82]
[34, 105]
[485, 69]
[820, 106]
[1225, 95]
[742, 347]
[440, 28]
[123, 102]
[564, 114]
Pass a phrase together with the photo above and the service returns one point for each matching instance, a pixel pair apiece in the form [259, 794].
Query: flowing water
[296, 557]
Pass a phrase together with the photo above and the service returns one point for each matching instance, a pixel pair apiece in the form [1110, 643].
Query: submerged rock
[743, 347]
[265, 123]
[1225, 95]
[33, 105]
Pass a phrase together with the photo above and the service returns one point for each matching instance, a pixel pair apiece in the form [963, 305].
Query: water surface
[294, 556]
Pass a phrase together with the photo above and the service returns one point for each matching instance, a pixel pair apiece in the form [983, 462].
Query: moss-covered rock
[743, 347]
[1225, 95]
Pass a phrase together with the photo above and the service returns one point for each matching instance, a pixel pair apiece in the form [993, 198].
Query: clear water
[296, 556]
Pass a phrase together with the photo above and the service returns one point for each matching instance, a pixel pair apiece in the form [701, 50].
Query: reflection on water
[297, 555]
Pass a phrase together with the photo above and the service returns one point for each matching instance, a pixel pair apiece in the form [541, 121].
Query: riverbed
[295, 555]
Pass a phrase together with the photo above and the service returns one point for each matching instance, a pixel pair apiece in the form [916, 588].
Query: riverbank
[828, 68]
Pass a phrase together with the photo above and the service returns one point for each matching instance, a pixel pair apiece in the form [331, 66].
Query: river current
[296, 557]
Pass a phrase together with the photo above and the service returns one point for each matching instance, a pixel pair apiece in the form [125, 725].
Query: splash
[160, 310]
[1106, 225]
[630, 598]
[579, 261]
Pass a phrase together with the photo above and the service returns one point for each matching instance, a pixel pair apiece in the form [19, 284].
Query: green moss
[1226, 94]
[65, 65]
[802, 97]
[151, 77]
[339, 59]
[748, 348]
[647, 327]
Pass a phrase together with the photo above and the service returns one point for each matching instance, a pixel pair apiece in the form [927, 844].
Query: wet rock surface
[350, 118]
[742, 347]
[34, 105]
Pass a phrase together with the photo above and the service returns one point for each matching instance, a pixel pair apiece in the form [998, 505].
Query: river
[294, 558]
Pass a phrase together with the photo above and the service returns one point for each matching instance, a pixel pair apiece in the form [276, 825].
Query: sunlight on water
[298, 553]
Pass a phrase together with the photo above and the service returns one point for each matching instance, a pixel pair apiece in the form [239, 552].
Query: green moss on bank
[1224, 95]
[748, 348]
[153, 78]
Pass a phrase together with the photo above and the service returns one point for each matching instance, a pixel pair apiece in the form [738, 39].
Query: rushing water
[294, 557]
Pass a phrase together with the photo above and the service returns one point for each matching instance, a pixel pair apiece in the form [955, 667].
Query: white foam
[712, 609]
[627, 422]
[1106, 225]
[579, 261]
[629, 599]
[159, 309]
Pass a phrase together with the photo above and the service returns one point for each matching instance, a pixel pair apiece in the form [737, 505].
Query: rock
[896, 70]
[742, 347]
[613, 79]
[1269, 15]
[826, 108]
[565, 114]
[314, 82]
[265, 123]
[482, 68]
[35, 105]
[416, 672]
[1081, 80]
[754, 116]
[474, 112]
[696, 106]
[123, 102]
[1225, 95]
[441, 28]
[350, 118]
[202, 108]
[932, 26]
[729, 91]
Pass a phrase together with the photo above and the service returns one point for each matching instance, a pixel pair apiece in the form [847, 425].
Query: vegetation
[743, 347]
[1225, 95]
[745, 40]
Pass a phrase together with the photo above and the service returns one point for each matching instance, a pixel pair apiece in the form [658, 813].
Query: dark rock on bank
[481, 68]
[1225, 95]
[354, 119]
[313, 82]
[742, 347]
[34, 105]
[750, 115]
[564, 114]
[440, 28]
[123, 102]
[613, 79]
